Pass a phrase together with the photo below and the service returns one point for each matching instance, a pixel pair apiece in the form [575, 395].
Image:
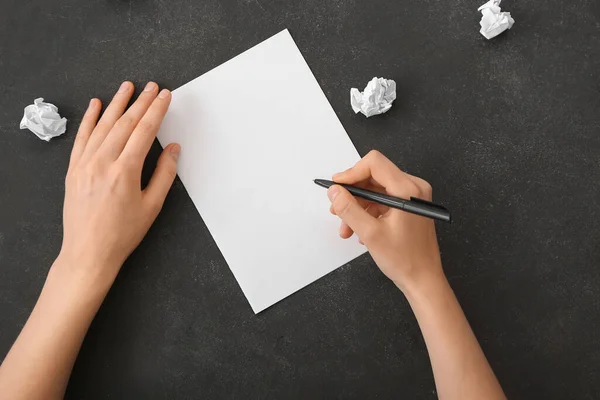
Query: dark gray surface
[507, 131]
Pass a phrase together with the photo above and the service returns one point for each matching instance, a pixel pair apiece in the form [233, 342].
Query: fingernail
[333, 192]
[149, 86]
[124, 87]
[336, 175]
[174, 151]
[164, 93]
[91, 105]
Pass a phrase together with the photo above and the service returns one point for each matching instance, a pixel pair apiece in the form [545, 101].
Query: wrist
[82, 275]
[426, 280]
[69, 297]
[432, 297]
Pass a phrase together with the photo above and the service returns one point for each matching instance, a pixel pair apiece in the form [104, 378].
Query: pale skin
[106, 214]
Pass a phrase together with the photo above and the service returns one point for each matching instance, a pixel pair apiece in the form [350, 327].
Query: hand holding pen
[414, 205]
[402, 244]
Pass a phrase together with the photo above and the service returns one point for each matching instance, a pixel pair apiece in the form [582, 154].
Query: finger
[366, 204]
[377, 167]
[162, 178]
[363, 203]
[425, 189]
[375, 210]
[372, 209]
[345, 231]
[143, 135]
[115, 142]
[347, 208]
[113, 112]
[90, 118]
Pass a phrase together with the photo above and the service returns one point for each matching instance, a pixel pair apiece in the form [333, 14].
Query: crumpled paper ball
[43, 120]
[377, 98]
[493, 20]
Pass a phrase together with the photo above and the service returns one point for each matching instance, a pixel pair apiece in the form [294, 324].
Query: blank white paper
[254, 133]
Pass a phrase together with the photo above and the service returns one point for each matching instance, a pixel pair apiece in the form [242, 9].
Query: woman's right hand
[405, 248]
[403, 245]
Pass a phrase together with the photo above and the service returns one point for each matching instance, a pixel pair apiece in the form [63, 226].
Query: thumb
[163, 177]
[347, 208]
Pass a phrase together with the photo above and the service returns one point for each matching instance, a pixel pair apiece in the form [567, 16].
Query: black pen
[414, 205]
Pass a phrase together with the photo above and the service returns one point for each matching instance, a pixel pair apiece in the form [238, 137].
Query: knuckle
[79, 136]
[89, 170]
[412, 188]
[146, 126]
[420, 188]
[128, 163]
[168, 169]
[115, 178]
[374, 155]
[426, 189]
[155, 204]
[84, 180]
[102, 125]
[125, 121]
[342, 205]
[171, 173]
[406, 188]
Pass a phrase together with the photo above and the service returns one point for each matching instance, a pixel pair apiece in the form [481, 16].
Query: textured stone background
[507, 131]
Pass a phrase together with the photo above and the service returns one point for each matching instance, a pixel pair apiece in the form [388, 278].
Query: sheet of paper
[254, 133]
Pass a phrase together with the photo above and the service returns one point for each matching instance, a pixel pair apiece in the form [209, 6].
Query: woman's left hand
[106, 213]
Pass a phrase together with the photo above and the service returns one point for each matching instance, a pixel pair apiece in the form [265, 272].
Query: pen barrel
[378, 198]
[427, 211]
[414, 205]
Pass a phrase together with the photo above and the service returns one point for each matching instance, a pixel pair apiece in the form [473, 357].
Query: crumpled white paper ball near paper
[493, 20]
[43, 120]
[377, 97]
